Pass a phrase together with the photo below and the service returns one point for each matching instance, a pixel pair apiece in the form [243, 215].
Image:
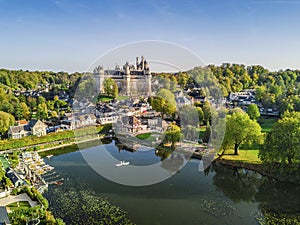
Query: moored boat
[122, 163]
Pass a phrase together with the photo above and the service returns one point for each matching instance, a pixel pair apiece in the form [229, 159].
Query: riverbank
[249, 160]
[54, 140]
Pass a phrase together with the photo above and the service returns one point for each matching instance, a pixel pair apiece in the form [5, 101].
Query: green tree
[182, 79]
[172, 135]
[200, 115]
[240, 129]
[6, 120]
[41, 100]
[157, 104]
[32, 103]
[26, 112]
[110, 87]
[54, 114]
[164, 102]
[167, 95]
[42, 111]
[168, 108]
[8, 182]
[207, 112]
[253, 111]
[282, 143]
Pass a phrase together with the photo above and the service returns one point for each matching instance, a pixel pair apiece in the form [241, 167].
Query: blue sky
[68, 34]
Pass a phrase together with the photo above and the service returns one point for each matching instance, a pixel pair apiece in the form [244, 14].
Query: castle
[132, 80]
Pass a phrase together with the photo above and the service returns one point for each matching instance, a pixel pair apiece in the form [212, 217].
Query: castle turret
[146, 65]
[127, 70]
[137, 63]
[143, 63]
[128, 78]
[99, 78]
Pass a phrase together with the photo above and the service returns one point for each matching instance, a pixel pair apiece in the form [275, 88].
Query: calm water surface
[218, 196]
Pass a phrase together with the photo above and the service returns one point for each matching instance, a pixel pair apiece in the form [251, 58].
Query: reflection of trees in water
[163, 153]
[174, 162]
[273, 196]
[279, 196]
[237, 184]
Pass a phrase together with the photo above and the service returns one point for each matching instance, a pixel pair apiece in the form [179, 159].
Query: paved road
[17, 198]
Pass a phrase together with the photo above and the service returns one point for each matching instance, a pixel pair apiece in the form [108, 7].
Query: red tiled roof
[22, 122]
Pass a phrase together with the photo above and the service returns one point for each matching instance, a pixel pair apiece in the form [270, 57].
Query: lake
[220, 195]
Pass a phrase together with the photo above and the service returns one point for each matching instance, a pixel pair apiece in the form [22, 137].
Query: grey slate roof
[32, 122]
[18, 129]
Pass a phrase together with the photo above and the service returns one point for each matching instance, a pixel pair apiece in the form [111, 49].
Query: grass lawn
[4, 161]
[267, 124]
[18, 205]
[122, 97]
[146, 136]
[143, 136]
[105, 99]
[246, 156]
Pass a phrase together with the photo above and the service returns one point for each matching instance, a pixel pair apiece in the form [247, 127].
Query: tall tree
[200, 115]
[282, 143]
[240, 129]
[253, 111]
[26, 112]
[110, 87]
[42, 111]
[167, 95]
[6, 120]
[173, 135]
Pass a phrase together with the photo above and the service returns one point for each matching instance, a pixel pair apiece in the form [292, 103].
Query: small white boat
[49, 156]
[122, 163]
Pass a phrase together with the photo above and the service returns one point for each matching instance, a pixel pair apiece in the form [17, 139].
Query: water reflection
[243, 185]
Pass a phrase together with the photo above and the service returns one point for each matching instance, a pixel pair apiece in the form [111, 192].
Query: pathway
[17, 198]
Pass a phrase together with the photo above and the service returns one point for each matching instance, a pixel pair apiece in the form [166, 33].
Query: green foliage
[200, 114]
[51, 137]
[253, 111]
[110, 87]
[282, 143]
[240, 129]
[6, 120]
[19, 79]
[167, 95]
[164, 102]
[42, 111]
[22, 215]
[172, 135]
[206, 112]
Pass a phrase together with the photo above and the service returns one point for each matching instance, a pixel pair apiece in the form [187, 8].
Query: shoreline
[68, 144]
[258, 168]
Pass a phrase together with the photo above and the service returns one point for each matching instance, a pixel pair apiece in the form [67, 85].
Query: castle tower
[137, 63]
[143, 63]
[99, 78]
[148, 81]
[127, 79]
